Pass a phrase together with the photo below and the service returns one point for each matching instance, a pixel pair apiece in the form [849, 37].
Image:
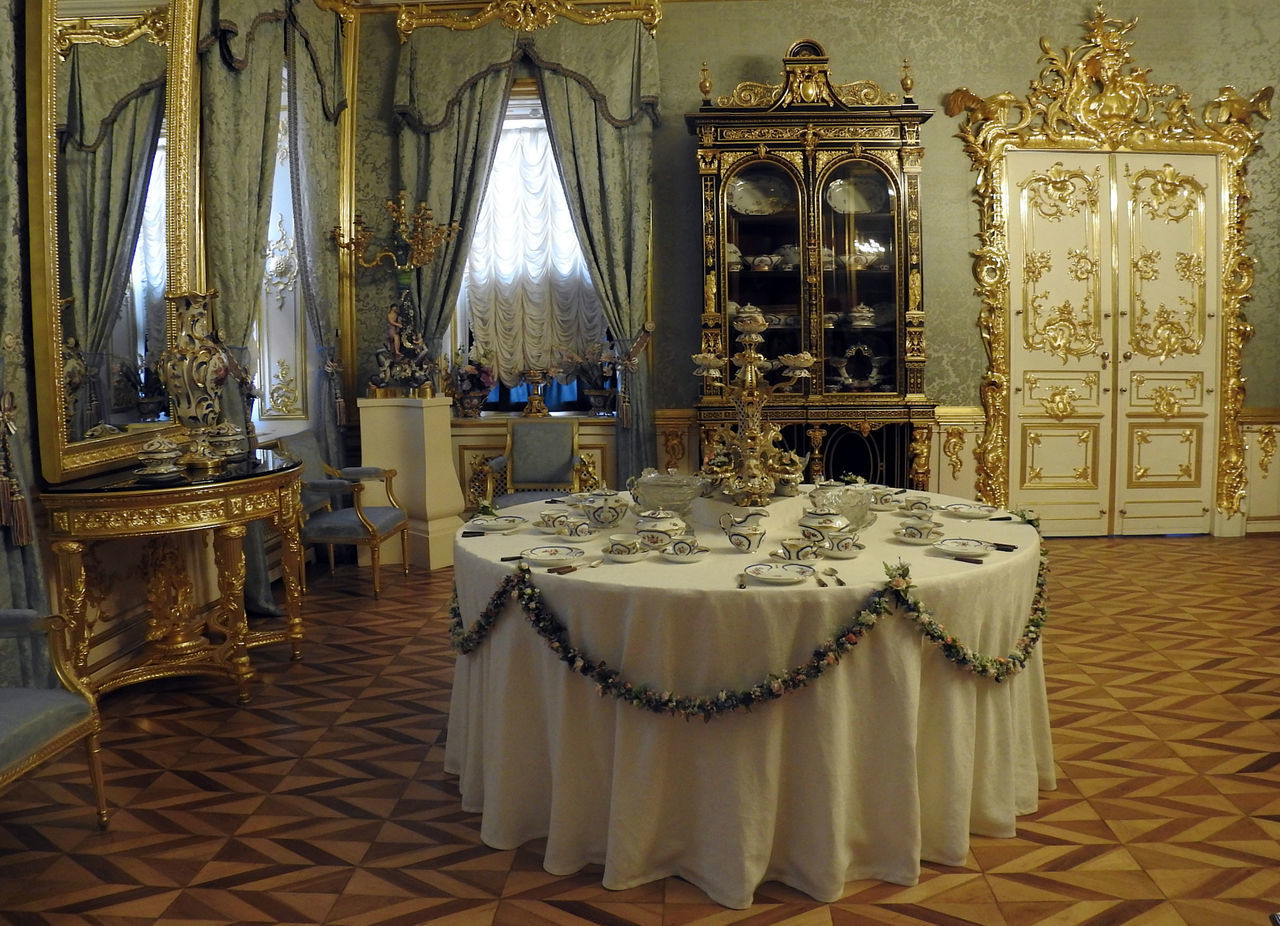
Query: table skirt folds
[892, 756]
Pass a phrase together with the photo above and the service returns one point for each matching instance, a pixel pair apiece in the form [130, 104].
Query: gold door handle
[1105, 356]
[1127, 355]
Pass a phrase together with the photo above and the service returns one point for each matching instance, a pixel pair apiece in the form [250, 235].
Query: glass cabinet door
[762, 254]
[858, 219]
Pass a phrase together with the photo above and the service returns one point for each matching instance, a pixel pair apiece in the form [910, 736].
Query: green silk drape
[241, 53]
[313, 45]
[600, 91]
[451, 90]
[22, 574]
[114, 100]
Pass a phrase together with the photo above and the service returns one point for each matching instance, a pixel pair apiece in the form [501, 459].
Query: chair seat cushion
[32, 717]
[343, 525]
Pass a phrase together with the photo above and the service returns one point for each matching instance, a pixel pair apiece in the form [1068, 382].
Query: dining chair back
[45, 706]
[542, 458]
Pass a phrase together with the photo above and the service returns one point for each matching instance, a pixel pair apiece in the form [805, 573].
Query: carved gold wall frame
[520, 15]
[1093, 97]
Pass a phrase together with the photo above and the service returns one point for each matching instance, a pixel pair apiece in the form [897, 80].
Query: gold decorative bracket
[525, 15]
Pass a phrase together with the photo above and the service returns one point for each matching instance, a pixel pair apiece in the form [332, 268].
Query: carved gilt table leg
[228, 554]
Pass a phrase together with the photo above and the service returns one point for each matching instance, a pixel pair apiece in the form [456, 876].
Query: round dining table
[658, 719]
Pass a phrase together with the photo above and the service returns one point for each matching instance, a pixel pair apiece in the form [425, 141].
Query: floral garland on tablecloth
[896, 593]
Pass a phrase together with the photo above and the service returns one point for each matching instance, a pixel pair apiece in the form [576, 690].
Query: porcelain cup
[797, 548]
[624, 545]
[553, 517]
[576, 527]
[655, 538]
[843, 541]
[683, 545]
[916, 531]
[745, 539]
[921, 503]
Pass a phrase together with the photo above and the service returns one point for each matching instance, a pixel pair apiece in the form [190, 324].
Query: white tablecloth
[892, 756]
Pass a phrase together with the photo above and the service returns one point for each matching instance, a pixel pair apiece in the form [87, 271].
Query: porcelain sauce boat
[750, 520]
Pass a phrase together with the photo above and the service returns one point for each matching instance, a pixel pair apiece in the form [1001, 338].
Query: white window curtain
[526, 291]
[149, 273]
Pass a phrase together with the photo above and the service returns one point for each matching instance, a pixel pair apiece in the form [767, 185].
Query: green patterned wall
[985, 45]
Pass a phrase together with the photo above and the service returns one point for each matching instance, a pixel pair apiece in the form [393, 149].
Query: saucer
[625, 557]
[918, 541]
[779, 573]
[694, 556]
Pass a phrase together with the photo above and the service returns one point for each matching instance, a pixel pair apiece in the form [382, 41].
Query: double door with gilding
[1114, 348]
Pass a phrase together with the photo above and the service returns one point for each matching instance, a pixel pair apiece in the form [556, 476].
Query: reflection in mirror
[96, 113]
[111, 109]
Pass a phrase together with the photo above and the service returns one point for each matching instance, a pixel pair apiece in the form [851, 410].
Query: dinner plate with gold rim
[970, 512]
[496, 523]
[779, 573]
[553, 555]
[963, 546]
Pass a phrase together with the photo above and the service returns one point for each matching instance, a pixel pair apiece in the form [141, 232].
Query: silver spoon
[742, 580]
[831, 571]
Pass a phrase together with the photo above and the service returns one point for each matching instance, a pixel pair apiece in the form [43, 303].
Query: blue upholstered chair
[44, 706]
[541, 460]
[333, 509]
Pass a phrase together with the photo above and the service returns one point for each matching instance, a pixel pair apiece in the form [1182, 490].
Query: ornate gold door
[1113, 339]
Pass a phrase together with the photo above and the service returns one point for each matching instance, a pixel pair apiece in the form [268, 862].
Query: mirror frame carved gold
[63, 460]
[1092, 97]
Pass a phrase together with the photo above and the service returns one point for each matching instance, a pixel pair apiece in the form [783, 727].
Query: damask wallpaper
[988, 46]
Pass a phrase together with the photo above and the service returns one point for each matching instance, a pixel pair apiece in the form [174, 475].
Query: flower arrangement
[470, 371]
[592, 367]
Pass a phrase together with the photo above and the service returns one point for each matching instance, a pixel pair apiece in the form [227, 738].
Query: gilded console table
[179, 640]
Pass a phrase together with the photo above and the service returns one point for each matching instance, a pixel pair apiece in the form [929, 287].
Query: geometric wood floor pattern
[324, 800]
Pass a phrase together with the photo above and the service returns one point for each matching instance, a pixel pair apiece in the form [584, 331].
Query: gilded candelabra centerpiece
[748, 463]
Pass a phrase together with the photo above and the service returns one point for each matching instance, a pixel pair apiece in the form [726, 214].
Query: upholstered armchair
[541, 459]
[44, 706]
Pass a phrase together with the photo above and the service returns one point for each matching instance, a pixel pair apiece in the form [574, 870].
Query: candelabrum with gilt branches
[747, 462]
[417, 237]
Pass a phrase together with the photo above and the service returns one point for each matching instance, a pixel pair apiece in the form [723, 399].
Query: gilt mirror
[96, 140]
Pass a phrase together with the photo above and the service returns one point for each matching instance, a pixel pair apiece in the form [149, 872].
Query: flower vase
[193, 371]
[601, 401]
[469, 404]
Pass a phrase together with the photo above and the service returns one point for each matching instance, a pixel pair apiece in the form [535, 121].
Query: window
[526, 300]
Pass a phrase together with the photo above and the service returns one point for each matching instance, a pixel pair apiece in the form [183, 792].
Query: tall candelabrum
[748, 463]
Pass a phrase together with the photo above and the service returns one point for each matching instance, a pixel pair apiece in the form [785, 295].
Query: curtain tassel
[13, 505]
[14, 513]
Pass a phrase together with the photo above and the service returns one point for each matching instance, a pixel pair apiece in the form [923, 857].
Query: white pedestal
[411, 436]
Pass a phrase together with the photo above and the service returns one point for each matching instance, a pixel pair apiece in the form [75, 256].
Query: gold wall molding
[1093, 96]
[115, 32]
[527, 15]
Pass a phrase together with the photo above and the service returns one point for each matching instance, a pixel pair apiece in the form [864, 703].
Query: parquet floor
[324, 800]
